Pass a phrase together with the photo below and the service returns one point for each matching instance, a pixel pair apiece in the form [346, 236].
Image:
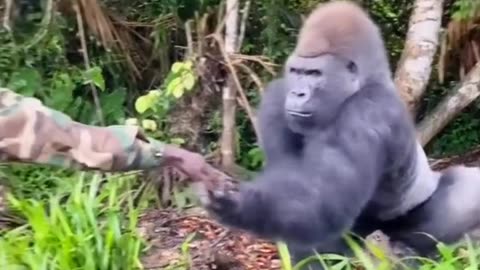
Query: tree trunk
[465, 93]
[229, 91]
[415, 65]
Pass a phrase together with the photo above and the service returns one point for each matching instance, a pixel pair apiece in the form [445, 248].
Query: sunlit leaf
[155, 93]
[131, 122]
[143, 103]
[148, 124]
[177, 66]
[285, 259]
[177, 91]
[188, 64]
[445, 251]
[177, 141]
[175, 87]
[188, 81]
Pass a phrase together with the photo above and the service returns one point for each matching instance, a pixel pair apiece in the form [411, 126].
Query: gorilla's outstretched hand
[217, 193]
[223, 197]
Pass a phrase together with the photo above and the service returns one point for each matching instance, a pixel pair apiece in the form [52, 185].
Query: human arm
[31, 132]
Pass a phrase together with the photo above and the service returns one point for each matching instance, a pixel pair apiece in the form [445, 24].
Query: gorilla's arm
[312, 199]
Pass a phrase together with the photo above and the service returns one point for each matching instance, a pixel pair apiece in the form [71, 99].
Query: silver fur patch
[424, 185]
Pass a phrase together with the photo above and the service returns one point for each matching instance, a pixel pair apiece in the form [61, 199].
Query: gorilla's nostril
[300, 93]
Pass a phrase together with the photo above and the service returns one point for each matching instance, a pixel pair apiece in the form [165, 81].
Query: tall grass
[91, 228]
[462, 256]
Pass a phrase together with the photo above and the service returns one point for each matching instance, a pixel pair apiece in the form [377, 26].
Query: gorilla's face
[316, 89]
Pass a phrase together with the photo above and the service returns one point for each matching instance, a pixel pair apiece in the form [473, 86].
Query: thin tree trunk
[229, 91]
[464, 94]
[7, 14]
[415, 65]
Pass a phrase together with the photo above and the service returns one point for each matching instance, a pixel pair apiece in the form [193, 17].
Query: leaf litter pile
[210, 245]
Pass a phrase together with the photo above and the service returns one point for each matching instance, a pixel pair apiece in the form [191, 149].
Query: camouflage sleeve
[33, 133]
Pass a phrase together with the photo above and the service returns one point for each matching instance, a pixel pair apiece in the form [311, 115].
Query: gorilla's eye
[352, 67]
[313, 72]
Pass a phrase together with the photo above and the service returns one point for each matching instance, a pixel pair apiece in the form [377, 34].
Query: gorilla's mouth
[300, 114]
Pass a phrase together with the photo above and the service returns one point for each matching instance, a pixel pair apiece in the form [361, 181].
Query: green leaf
[188, 64]
[149, 124]
[177, 66]
[25, 81]
[175, 87]
[171, 85]
[445, 251]
[94, 75]
[284, 253]
[177, 141]
[143, 103]
[131, 122]
[186, 244]
[189, 81]
[155, 93]
[177, 92]
[112, 104]
[61, 92]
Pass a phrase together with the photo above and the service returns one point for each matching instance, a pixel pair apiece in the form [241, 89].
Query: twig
[86, 61]
[44, 25]
[253, 76]
[223, 20]
[231, 68]
[243, 24]
[188, 33]
[6, 15]
[262, 60]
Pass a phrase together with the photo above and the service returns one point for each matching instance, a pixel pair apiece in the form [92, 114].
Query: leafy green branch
[154, 106]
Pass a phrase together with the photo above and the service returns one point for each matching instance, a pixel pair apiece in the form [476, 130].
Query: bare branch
[6, 15]
[243, 24]
[415, 65]
[86, 61]
[188, 34]
[464, 94]
[253, 76]
[47, 18]
[236, 80]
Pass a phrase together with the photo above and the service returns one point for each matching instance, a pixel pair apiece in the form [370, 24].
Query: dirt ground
[212, 247]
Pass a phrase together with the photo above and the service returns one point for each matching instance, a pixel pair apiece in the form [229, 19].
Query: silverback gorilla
[342, 153]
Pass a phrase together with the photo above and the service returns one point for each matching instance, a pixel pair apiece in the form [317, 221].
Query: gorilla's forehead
[319, 62]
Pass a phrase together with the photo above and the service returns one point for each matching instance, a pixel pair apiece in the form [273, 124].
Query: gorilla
[341, 152]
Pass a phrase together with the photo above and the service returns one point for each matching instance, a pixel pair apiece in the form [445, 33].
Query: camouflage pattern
[33, 133]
